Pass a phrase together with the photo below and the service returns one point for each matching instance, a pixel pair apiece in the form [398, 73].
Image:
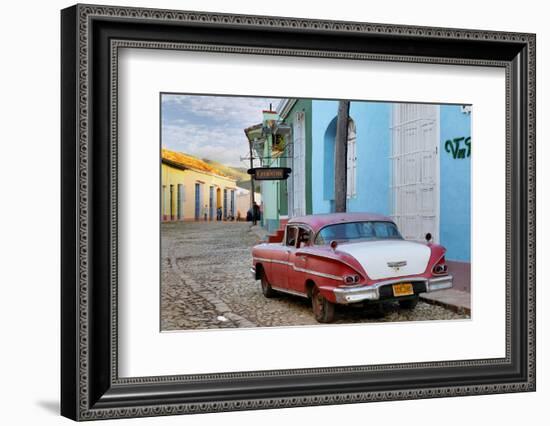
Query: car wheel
[323, 310]
[267, 290]
[408, 303]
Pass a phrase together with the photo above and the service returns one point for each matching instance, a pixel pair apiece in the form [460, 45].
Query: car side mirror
[428, 237]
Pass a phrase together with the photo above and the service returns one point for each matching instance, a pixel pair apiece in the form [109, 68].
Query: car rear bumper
[383, 290]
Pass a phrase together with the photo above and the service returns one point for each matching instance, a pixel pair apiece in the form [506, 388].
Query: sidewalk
[455, 300]
[260, 232]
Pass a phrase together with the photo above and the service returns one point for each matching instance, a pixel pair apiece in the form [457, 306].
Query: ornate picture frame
[91, 37]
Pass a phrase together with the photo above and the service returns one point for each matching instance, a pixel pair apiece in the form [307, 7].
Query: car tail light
[351, 279]
[440, 268]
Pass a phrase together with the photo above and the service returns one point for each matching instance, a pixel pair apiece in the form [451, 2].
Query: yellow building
[194, 190]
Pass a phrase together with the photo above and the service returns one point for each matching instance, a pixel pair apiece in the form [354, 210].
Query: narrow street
[206, 283]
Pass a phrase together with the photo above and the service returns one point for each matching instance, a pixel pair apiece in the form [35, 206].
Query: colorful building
[408, 161]
[194, 190]
[268, 145]
[244, 202]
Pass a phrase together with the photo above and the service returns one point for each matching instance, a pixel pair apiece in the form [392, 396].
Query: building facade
[268, 149]
[408, 161]
[244, 202]
[191, 190]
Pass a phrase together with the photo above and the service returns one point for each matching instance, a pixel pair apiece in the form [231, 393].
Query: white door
[414, 160]
[298, 191]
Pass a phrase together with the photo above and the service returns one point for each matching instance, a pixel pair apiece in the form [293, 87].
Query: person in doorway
[255, 213]
[205, 212]
[219, 214]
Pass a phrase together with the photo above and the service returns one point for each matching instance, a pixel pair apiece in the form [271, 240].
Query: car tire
[408, 303]
[323, 310]
[267, 290]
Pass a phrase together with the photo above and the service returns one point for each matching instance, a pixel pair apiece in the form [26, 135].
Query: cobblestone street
[206, 283]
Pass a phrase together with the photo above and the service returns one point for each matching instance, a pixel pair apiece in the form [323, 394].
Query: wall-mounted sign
[270, 173]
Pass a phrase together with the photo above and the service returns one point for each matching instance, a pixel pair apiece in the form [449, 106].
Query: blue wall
[373, 121]
[455, 181]
[322, 164]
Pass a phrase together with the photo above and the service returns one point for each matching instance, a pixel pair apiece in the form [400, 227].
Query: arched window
[351, 160]
[328, 163]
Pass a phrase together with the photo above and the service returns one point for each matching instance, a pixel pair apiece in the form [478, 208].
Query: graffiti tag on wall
[459, 147]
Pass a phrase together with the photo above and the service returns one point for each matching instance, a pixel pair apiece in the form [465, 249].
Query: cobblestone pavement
[206, 283]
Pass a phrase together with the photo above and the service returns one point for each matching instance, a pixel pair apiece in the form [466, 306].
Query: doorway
[414, 160]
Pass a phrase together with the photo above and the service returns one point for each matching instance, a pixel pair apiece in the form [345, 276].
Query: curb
[463, 310]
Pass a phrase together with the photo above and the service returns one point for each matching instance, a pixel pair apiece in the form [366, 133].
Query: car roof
[318, 221]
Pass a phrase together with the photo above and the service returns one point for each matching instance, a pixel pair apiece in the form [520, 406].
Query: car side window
[291, 232]
[303, 237]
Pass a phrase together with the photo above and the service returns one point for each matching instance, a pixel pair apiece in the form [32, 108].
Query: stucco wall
[455, 181]
[174, 176]
[372, 122]
[322, 167]
[304, 105]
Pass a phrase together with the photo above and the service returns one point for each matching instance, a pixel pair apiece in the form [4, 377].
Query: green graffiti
[454, 147]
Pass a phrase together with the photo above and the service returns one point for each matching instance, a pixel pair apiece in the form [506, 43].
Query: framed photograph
[263, 212]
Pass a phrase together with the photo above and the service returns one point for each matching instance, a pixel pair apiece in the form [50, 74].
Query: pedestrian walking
[255, 213]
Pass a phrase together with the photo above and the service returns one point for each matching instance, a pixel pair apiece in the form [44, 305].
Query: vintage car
[349, 258]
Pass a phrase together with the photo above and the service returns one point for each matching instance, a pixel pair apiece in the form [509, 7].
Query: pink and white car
[349, 258]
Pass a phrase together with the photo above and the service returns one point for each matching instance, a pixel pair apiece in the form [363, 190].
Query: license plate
[404, 289]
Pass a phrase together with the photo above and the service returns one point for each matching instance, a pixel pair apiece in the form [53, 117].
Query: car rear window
[352, 231]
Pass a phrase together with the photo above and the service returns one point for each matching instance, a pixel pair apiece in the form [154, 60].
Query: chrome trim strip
[394, 281]
[319, 274]
[307, 271]
[443, 278]
[282, 262]
[293, 292]
[342, 292]
[441, 283]
[358, 294]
